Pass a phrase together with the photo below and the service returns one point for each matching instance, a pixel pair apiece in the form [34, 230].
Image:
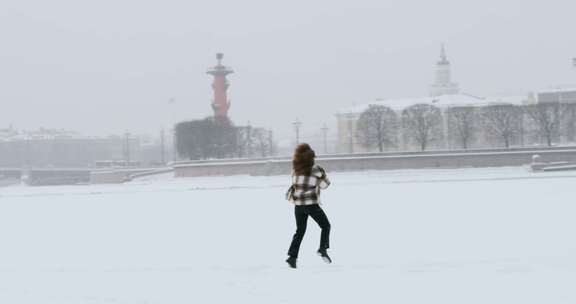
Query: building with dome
[443, 94]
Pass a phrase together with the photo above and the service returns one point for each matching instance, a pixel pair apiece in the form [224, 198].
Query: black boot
[325, 256]
[291, 262]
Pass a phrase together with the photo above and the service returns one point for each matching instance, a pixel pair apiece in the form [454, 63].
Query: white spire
[443, 57]
[442, 84]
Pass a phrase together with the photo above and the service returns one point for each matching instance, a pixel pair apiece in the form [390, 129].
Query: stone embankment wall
[380, 161]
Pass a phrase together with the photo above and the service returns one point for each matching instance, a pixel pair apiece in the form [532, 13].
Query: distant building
[53, 148]
[12, 134]
[566, 94]
[8, 133]
[444, 94]
[347, 117]
[562, 94]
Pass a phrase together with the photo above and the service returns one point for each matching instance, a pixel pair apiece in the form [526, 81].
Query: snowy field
[414, 236]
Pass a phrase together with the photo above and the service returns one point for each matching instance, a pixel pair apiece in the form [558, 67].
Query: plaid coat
[305, 189]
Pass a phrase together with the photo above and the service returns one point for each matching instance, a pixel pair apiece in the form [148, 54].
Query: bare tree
[272, 147]
[568, 124]
[191, 139]
[377, 126]
[222, 137]
[206, 138]
[502, 121]
[547, 117]
[422, 123]
[262, 141]
[462, 123]
[245, 141]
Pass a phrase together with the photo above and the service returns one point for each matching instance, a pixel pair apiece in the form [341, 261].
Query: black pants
[302, 213]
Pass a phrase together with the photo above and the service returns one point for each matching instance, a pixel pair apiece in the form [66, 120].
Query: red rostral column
[220, 104]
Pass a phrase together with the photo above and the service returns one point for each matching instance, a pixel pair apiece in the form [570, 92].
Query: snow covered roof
[558, 89]
[443, 101]
[12, 134]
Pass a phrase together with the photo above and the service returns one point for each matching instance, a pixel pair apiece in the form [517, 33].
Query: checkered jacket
[305, 189]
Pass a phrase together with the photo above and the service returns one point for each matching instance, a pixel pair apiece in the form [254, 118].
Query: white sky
[109, 66]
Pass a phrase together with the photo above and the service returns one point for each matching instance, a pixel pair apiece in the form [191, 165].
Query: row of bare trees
[463, 126]
[220, 138]
[379, 125]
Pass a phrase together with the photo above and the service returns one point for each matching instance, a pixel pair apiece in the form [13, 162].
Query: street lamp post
[172, 128]
[174, 141]
[162, 148]
[350, 118]
[325, 135]
[297, 124]
[249, 144]
[126, 148]
[27, 150]
[270, 143]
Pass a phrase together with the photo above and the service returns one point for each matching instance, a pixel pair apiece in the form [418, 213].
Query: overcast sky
[108, 66]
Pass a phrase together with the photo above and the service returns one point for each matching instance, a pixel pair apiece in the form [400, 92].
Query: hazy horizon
[114, 66]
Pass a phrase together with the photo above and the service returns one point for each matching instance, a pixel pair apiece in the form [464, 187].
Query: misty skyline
[114, 66]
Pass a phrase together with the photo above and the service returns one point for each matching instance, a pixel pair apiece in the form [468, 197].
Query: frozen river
[420, 236]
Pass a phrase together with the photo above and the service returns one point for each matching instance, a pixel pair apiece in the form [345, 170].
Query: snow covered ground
[413, 236]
